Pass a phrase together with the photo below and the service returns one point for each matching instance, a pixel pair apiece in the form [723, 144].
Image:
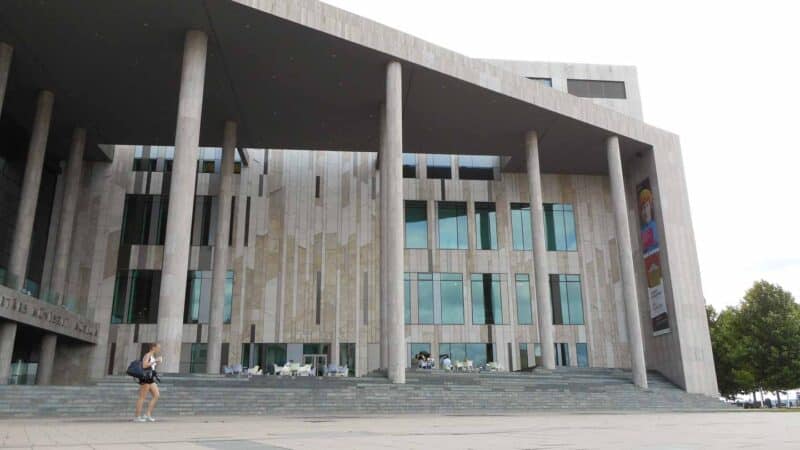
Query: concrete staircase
[426, 392]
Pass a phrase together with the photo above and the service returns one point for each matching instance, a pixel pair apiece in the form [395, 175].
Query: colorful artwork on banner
[648, 233]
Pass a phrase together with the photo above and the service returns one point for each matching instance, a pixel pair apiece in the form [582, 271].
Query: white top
[153, 362]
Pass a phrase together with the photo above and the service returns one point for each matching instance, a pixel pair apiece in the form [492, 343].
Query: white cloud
[723, 75]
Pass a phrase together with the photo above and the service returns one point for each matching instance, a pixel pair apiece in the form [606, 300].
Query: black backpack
[135, 369]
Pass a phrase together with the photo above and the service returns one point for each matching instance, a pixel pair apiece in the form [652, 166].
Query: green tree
[733, 374]
[767, 324]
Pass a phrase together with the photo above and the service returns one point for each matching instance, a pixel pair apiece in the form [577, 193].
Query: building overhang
[294, 74]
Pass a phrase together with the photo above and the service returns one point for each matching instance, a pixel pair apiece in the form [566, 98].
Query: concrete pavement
[725, 430]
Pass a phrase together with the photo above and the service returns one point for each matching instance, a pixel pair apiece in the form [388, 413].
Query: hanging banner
[648, 233]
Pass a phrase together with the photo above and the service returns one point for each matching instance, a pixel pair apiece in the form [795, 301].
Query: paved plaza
[725, 430]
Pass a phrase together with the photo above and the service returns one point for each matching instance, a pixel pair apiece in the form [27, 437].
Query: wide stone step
[426, 392]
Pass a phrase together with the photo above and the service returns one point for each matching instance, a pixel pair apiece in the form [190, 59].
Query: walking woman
[148, 384]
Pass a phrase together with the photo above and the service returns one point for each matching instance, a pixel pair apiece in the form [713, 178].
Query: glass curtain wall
[136, 296]
[521, 226]
[416, 218]
[487, 302]
[559, 222]
[453, 226]
[198, 297]
[567, 301]
[524, 307]
[485, 226]
[438, 298]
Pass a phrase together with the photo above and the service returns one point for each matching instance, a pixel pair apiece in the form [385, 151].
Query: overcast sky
[725, 76]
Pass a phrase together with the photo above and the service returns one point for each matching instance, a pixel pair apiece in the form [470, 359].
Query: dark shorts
[143, 382]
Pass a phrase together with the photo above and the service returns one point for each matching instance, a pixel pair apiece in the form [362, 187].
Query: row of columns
[23, 230]
[393, 346]
[177, 244]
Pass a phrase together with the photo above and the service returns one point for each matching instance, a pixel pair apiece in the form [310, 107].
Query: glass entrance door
[318, 363]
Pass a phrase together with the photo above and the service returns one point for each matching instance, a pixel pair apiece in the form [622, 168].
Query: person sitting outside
[447, 364]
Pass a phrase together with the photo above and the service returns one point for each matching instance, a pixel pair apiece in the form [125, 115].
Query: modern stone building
[333, 191]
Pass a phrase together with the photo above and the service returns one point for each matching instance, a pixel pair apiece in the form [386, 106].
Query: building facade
[365, 258]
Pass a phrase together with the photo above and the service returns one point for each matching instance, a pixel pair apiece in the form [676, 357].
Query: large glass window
[559, 222]
[425, 297]
[542, 80]
[474, 167]
[439, 166]
[582, 353]
[478, 353]
[439, 298]
[485, 226]
[565, 291]
[452, 292]
[198, 354]
[144, 219]
[521, 226]
[416, 224]
[453, 225]
[263, 355]
[136, 296]
[487, 304]
[409, 165]
[562, 353]
[198, 297]
[523, 291]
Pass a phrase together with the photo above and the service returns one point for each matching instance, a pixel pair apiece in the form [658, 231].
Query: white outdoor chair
[304, 371]
[459, 366]
[285, 370]
[254, 371]
[469, 366]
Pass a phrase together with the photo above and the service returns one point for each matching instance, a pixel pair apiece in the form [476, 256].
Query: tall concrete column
[626, 262]
[220, 265]
[181, 200]
[21, 241]
[47, 356]
[544, 308]
[8, 333]
[6, 52]
[69, 204]
[384, 341]
[392, 196]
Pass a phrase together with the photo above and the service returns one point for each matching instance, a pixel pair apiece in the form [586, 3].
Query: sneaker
[149, 419]
[139, 419]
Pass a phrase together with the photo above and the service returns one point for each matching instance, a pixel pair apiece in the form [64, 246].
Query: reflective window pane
[439, 166]
[452, 291]
[582, 353]
[521, 226]
[487, 305]
[560, 227]
[409, 165]
[416, 217]
[485, 226]
[425, 296]
[477, 167]
[452, 225]
[523, 291]
[567, 300]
